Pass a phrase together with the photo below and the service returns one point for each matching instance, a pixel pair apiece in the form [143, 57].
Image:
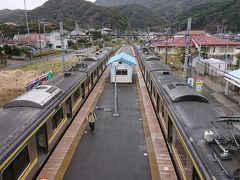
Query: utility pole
[186, 60]
[62, 47]
[148, 37]
[44, 31]
[102, 37]
[39, 34]
[26, 16]
[76, 29]
[166, 53]
[226, 54]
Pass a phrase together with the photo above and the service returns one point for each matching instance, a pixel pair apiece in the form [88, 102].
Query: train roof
[193, 116]
[21, 115]
[36, 98]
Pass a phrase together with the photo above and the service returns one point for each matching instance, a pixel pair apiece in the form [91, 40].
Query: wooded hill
[88, 14]
[165, 8]
[209, 16]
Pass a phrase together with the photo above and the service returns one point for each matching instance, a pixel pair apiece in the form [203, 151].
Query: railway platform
[130, 146]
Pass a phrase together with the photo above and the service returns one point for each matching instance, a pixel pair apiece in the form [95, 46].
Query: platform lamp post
[116, 113]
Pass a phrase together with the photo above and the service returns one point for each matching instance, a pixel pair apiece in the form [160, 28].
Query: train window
[150, 86]
[181, 153]
[170, 130]
[158, 102]
[162, 110]
[76, 95]
[92, 76]
[15, 169]
[165, 115]
[195, 175]
[83, 90]
[57, 118]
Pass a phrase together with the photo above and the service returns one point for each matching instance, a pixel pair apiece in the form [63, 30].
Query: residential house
[106, 31]
[77, 32]
[31, 39]
[55, 40]
[199, 40]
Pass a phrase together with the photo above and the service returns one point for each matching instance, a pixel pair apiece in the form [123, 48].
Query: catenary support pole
[187, 48]
[62, 46]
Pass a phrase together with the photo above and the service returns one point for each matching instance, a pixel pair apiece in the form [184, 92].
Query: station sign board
[39, 80]
[199, 83]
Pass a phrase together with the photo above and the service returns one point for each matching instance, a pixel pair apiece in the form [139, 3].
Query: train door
[170, 133]
[158, 102]
[69, 107]
[42, 146]
[92, 78]
[83, 90]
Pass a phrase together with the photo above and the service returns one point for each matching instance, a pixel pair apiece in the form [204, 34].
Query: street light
[26, 20]
[115, 114]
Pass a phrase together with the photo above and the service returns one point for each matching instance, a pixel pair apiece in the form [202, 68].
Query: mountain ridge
[166, 8]
[210, 15]
[87, 13]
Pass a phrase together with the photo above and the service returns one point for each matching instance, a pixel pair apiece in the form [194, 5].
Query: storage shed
[212, 67]
[122, 64]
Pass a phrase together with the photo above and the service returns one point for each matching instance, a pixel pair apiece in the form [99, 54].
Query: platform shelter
[122, 64]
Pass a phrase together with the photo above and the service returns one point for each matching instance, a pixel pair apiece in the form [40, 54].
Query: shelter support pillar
[227, 88]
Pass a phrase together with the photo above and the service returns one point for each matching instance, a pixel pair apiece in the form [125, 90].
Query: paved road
[115, 150]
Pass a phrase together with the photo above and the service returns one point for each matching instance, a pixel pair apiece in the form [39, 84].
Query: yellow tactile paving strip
[160, 162]
[57, 164]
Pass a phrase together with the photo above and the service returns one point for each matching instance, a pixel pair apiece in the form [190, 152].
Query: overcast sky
[19, 4]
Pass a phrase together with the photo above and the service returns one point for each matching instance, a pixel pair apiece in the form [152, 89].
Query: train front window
[15, 169]
[57, 118]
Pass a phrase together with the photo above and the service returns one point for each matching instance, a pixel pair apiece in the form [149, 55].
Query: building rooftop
[124, 58]
[196, 40]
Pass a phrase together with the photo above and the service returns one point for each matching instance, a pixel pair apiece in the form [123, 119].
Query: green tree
[238, 59]
[7, 49]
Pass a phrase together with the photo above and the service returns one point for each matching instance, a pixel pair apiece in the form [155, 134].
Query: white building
[55, 40]
[121, 64]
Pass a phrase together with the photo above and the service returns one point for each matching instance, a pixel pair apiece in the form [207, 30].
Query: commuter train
[32, 124]
[203, 143]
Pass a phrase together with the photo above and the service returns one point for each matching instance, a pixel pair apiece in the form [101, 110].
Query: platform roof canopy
[122, 57]
[233, 77]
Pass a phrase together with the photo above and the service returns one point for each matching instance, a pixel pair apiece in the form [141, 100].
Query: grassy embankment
[12, 82]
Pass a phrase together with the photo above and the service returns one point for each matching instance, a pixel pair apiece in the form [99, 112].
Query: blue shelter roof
[234, 75]
[124, 58]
